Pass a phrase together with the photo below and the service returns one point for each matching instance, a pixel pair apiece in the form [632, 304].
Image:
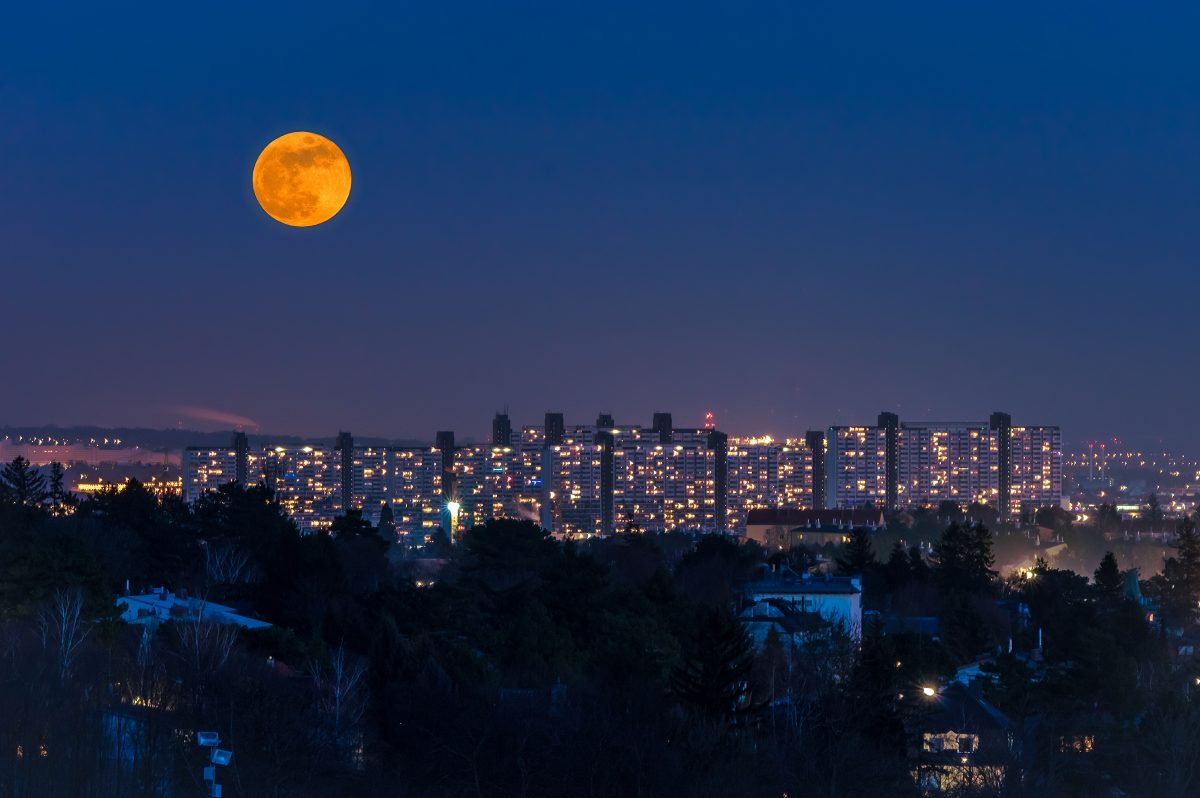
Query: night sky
[792, 214]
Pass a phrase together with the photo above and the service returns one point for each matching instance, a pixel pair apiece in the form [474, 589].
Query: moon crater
[302, 179]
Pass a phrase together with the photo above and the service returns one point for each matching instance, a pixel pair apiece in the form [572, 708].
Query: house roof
[788, 582]
[959, 709]
[164, 605]
[816, 519]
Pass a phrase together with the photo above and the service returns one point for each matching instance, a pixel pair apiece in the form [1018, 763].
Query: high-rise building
[890, 424]
[415, 488]
[910, 464]
[1035, 468]
[814, 440]
[663, 425]
[241, 457]
[1001, 427]
[501, 430]
[606, 440]
[305, 482]
[948, 461]
[444, 443]
[344, 451]
[555, 429]
[856, 466]
[206, 469]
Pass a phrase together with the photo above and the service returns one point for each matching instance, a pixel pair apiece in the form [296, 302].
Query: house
[793, 627]
[785, 528]
[837, 599]
[962, 741]
[163, 605]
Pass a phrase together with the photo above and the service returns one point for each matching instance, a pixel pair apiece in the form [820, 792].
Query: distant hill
[160, 439]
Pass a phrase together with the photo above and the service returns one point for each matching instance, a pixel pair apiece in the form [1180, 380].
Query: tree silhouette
[963, 558]
[857, 555]
[1109, 580]
[714, 678]
[1154, 510]
[1181, 573]
[22, 485]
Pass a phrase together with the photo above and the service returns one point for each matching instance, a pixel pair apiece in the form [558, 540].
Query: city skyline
[582, 480]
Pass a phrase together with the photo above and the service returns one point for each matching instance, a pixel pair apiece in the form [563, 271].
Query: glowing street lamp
[928, 692]
[452, 507]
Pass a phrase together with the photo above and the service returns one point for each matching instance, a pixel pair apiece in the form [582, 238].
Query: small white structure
[837, 599]
[163, 605]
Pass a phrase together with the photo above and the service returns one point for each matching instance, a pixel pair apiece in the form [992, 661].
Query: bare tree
[342, 697]
[228, 564]
[205, 645]
[61, 623]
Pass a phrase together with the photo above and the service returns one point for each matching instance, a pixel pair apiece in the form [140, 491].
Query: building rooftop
[816, 519]
[788, 582]
[163, 605]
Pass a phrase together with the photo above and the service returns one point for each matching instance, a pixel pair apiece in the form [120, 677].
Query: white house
[163, 605]
[837, 599]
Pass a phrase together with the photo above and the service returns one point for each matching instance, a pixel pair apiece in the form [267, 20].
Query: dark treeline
[516, 665]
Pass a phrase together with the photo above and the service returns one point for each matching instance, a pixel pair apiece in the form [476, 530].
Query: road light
[453, 507]
[928, 692]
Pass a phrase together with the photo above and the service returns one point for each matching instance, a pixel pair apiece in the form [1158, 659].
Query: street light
[928, 692]
[453, 507]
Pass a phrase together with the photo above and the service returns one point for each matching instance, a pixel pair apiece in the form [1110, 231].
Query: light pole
[452, 508]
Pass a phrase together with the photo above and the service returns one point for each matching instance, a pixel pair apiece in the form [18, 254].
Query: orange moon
[302, 179]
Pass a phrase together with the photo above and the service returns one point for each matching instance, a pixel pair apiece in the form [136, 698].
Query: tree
[62, 624]
[963, 558]
[1108, 519]
[949, 510]
[714, 678]
[387, 524]
[1181, 573]
[857, 555]
[62, 500]
[22, 485]
[1109, 580]
[351, 524]
[1154, 511]
[897, 570]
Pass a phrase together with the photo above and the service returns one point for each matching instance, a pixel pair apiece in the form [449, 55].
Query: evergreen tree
[22, 485]
[1182, 573]
[350, 525]
[917, 566]
[1154, 509]
[714, 678]
[896, 570]
[856, 556]
[387, 523]
[61, 499]
[1109, 580]
[963, 558]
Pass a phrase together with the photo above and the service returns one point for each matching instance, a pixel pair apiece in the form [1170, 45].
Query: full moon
[302, 179]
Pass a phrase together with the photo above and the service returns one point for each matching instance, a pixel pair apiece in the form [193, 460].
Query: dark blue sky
[793, 214]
